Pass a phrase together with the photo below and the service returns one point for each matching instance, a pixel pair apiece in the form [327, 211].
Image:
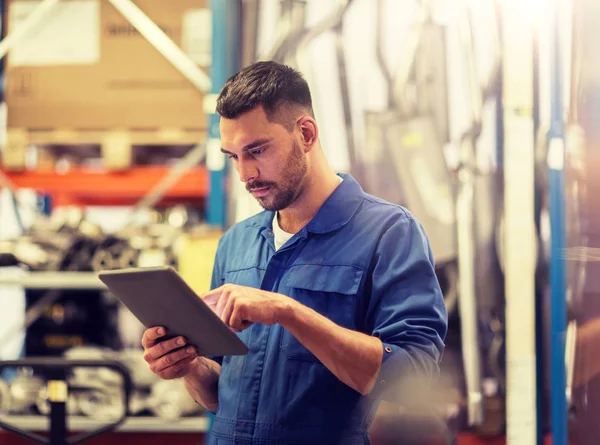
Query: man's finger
[174, 371]
[163, 348]
[151, 335]
[227, 310]
[223, 302]
[173, 358]
[211, 294]
[236, 321]
[212, 299]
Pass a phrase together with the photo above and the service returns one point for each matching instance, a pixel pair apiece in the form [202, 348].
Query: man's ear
[309, 132]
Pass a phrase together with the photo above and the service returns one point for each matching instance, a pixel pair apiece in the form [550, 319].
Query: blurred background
[479, 116]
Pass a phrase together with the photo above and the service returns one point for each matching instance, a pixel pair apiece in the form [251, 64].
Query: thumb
[211, 300]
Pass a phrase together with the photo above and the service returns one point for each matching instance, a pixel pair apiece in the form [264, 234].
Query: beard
[284, 192]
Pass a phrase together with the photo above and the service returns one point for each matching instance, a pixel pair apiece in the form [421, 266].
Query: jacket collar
[335, 212]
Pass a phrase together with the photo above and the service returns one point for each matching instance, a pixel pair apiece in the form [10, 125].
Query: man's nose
[247, 171]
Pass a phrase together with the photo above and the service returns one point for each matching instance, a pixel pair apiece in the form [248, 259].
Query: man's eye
[256, 152]
[230, 156]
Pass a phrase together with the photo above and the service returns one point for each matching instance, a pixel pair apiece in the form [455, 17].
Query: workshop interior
[478, 116]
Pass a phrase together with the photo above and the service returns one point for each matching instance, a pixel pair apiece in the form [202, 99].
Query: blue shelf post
[226, 22]
[558, 302]
[226, 25]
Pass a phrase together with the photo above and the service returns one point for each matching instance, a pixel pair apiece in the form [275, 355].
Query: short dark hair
[270, 84]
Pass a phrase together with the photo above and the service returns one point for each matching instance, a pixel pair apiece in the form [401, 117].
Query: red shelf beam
[82, 186]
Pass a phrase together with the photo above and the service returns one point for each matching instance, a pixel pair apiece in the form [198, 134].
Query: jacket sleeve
[406, 310]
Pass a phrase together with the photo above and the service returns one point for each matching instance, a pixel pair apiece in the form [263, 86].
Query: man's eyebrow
[251, 145]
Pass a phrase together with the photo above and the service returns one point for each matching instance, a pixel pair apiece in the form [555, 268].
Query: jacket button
[388, 349]
[383, 382]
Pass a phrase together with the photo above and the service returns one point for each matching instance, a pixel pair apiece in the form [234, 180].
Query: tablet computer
[158, 296]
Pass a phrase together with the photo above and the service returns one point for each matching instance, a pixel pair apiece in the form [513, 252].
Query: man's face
[267, 156]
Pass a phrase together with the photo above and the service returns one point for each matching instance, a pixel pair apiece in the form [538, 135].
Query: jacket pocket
[329, 290]
[250, 277]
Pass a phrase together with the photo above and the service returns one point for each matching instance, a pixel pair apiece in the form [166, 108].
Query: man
[332, 290]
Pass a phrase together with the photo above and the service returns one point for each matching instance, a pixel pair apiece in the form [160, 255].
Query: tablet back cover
[160, 297]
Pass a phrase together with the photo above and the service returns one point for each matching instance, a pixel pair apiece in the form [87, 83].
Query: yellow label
[57, 391]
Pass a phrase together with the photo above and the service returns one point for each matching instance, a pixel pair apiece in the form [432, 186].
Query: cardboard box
[86, 67]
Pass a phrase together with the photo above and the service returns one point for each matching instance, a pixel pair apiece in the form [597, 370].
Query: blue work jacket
[363, 263]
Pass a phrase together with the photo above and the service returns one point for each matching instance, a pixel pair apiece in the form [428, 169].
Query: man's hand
[169, 359]
[353, 357]
[240, 306]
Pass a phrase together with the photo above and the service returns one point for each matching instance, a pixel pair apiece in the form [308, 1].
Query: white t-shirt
[280, 235]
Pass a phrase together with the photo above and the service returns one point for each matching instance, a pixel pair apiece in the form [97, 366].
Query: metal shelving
[132, 424]
[53, 280]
